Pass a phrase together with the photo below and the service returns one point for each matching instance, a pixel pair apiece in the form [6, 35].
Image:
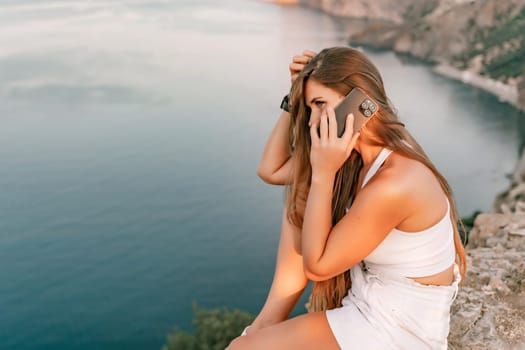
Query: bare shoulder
[402, 176]
[411, 185]
[408, 172]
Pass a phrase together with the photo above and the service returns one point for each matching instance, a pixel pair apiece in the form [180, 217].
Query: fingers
[314, 119]
[348, 136]
[309, 53]
[349, 128]
[301, 59]
[352, 143]
[332, 122]
[305, 57]
[296, 67]
[298, 63]
[314, 136]
[327, 124]
[327, 135]
[324, 126]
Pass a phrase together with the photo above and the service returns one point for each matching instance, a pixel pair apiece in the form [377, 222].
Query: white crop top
[413, 254]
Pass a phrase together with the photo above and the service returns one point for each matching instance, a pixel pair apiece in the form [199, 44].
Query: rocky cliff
[394, 11]
[481, 42]
[521, 90]
[489, 312]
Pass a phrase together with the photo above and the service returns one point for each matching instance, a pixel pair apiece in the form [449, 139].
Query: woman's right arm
[277, 159]
[289, 280]
[276, 162]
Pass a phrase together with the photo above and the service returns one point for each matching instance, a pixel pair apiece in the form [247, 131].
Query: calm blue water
[131, 133]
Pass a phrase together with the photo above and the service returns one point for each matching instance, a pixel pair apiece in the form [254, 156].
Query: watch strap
[285, 106]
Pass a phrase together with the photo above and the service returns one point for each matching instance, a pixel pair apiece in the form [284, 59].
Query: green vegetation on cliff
[502, 47]
[214, 330]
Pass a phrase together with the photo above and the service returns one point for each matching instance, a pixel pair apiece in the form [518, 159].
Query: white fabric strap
[381, 157]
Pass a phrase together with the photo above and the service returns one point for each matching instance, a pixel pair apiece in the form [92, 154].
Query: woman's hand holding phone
[329, 152]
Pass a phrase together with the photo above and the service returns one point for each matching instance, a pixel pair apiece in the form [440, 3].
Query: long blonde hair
[342, 69]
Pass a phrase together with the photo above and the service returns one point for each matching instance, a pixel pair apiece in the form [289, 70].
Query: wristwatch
[284, 104]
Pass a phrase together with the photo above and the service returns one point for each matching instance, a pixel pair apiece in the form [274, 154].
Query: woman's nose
[314, 119]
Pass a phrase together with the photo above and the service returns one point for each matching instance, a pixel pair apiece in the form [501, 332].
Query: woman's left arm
[329, 251]
[381, 206]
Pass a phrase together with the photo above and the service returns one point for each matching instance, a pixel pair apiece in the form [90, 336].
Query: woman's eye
[319, 103]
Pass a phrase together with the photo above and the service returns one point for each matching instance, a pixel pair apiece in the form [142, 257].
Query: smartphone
[360, 104]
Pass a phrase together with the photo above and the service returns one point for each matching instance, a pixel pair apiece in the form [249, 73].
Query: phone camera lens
[367, 113]
[364, 105]
[372, 107]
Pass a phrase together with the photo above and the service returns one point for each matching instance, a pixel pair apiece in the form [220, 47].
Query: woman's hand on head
[329, 152]
[298, 63]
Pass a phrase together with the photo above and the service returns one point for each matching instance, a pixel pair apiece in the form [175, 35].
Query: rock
[394, 11]
[513, 200]
[489, 312]
[517, 192]
[403, 43]
[521, 89]
[483, 37]
[486, 225]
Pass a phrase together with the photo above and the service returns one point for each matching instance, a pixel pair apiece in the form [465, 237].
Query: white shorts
[386, 311]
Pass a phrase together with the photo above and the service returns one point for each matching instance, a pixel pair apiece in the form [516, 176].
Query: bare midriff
[443, 278]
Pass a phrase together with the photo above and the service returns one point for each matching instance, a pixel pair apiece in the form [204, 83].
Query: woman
[367, 217]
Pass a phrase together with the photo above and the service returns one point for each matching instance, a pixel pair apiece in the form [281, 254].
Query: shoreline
[504, 92]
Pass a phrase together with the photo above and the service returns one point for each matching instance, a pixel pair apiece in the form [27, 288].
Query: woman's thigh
[306, 332]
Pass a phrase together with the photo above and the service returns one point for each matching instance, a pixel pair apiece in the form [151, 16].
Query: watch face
[284, 104]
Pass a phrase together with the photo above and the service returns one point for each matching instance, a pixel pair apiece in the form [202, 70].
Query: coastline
[504, 92]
